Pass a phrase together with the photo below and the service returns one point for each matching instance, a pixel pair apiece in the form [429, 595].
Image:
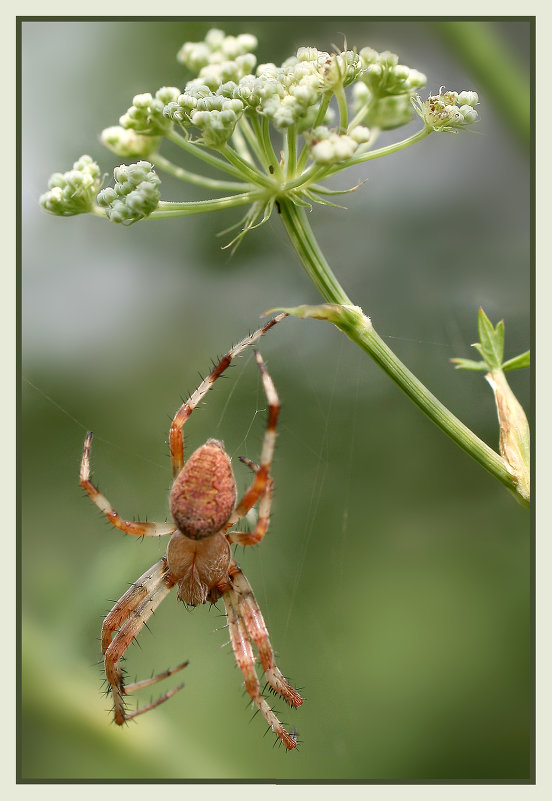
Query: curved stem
[358, 327]
[382, 151]
[168, 208]
[193, 178]
[204, 155]
[253, 140]
[254, 175]
[343, 108]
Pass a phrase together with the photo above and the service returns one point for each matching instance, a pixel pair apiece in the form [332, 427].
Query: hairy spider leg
[257, 630]
[245, 658]
[263, 520]
[176, 442]
[136, 594]
[128, 526]
[262, 483]
[129, 615]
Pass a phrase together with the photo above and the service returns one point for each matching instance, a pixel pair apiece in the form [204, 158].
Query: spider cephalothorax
[198, 560]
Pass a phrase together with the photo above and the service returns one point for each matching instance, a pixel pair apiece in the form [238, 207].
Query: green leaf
[491, 345]
[468, 364]
[523, 360]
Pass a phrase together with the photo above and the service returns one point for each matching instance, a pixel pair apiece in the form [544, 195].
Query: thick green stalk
[358, 327]
[305, 244]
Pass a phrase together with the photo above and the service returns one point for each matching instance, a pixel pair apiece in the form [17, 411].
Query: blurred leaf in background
[395, 577]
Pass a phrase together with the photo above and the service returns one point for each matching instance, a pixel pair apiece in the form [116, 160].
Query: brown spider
[198, 558]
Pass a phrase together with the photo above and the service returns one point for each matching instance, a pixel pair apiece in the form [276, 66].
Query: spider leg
[128, 526]
[261, 487]
[129, 615]
[176, 443]
[245, 658]
[257, 630]
[136, 594]
[263, 520]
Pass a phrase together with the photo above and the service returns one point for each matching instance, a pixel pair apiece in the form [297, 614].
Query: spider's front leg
[128, 526]
[261, 487]
[129, 615]
[176, 442]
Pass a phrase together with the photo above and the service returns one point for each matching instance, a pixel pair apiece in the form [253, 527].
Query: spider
[198, 560]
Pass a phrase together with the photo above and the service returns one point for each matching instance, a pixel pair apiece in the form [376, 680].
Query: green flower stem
[343, 108]
[253, 140]
[167, 208]
[193, 178]
[263, 132]
[291, 160]
[246, 169]
[201, 153]
[240, 145]
[383, 151]
[362, 113]
[313, 173]
[316, 172]
[324, 103]
[358, 327]
[303, 239]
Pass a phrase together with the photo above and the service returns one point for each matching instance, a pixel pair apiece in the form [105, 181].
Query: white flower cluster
[128, 144]
[289, 94]
[286, 95]
[135, 194]
[145, 116]
[329, 147]
[74, 191]
[385, 76]
[214, 113]
[385, 89]
[219, 58]
[448, 111]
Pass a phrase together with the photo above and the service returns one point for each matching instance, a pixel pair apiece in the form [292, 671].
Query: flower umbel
[265, 127]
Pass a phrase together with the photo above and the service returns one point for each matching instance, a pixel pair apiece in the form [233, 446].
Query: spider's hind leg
[129, 615]
[257, 630]
[245, 658]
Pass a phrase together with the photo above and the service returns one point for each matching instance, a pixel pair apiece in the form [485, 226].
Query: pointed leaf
[468, 364]
[491, 345]
[523, 360]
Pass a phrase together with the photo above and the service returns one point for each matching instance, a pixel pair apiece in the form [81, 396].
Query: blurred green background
[395, 578]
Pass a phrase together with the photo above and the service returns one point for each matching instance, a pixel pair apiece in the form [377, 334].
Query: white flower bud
[468, 99]
[469, 114]
[127, 143]
[360, 134]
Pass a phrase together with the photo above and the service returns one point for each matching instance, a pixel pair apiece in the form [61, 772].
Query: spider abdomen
[203, 494]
